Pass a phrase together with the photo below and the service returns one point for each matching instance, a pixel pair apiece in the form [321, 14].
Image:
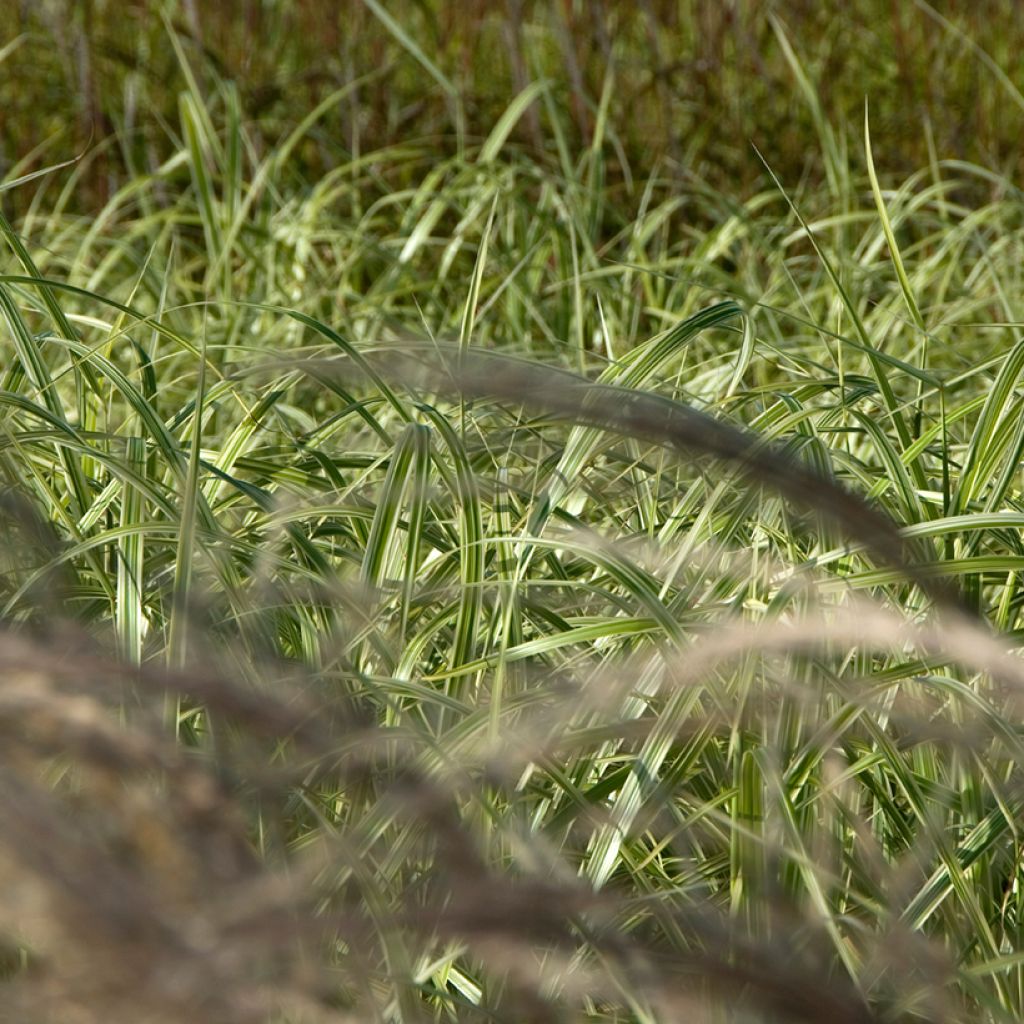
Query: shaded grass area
[679, 86]
[450, 588]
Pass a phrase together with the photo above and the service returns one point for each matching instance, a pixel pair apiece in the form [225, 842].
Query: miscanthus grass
[462, 591]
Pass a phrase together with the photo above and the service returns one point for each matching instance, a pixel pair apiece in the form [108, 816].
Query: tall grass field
[511, 513]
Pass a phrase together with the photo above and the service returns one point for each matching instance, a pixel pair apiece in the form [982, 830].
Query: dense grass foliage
[452, 588]
[687, 82]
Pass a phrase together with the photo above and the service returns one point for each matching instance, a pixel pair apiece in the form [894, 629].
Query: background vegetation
[690, 82]
[511, 513]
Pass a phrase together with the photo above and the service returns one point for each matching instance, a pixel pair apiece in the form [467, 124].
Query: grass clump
[462, 590]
